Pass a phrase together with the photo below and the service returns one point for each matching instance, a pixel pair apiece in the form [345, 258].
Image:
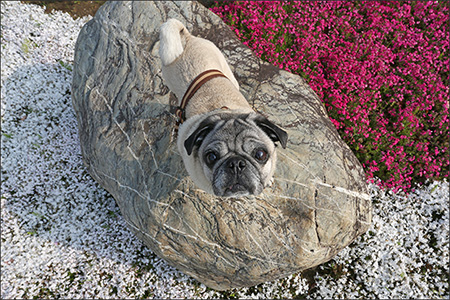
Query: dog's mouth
[236, 189]
[236, 177]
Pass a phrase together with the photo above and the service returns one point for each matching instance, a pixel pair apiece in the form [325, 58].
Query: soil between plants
[79, 9]
[76, 9]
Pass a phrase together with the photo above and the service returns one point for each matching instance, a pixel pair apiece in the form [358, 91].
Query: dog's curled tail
[172, 39]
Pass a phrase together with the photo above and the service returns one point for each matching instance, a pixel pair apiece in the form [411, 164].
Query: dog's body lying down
[227, 148]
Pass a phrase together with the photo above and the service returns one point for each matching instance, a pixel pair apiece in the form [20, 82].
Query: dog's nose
[236, 165]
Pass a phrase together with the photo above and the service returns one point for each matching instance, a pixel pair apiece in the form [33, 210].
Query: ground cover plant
[63, 236]
[380, 67]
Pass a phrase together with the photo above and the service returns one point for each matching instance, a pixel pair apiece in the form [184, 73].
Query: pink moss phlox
[380, 67]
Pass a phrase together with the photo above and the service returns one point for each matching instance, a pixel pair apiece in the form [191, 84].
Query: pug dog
[227, 148]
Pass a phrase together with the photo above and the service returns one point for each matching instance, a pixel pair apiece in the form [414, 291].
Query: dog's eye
[261, 155]
[211, 158]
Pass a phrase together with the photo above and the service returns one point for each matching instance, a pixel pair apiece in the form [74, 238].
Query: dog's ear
[275, 133]
[197, 137]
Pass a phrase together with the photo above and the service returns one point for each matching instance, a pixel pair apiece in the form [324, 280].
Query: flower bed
[381, 69]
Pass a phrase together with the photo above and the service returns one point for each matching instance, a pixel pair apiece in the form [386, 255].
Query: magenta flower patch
[380, 67]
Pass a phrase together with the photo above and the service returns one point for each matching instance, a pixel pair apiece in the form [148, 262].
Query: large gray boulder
[317, 205]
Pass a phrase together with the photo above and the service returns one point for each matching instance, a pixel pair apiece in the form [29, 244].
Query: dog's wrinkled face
[235, 152]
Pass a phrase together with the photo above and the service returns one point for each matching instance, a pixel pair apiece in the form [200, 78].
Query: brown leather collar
[196, 84]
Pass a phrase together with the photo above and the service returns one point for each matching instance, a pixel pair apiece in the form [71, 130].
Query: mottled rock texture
[317, 205]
